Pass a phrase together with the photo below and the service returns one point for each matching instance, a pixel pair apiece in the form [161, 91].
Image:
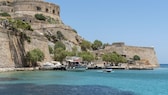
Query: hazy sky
[135, 22]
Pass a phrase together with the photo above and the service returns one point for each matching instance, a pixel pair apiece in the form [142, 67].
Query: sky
[135, 22]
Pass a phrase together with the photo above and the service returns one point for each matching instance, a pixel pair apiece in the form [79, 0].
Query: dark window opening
[58, 13]
[53, 11]
[38, 8]
[30, 21]
[11, 10]
[46, 10]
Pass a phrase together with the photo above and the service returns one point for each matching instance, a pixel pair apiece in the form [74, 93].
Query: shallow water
[91, 82]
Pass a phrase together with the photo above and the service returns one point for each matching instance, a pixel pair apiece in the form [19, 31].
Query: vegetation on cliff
[40, 17]
[97, 45]
[86, 56]
[33, 56]
[85, 45]
[114, 58]
[5, 14]
[136, 57]
[49, 19]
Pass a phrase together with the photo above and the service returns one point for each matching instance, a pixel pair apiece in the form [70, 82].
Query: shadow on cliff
[16, 44]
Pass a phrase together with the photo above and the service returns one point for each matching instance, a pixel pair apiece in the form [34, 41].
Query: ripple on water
[8, 79]
[31, 89]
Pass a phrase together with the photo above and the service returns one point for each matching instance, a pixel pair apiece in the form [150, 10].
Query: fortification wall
[41, 44]
[18, 8]
[34, 7]
[146, 53]
[6, 59]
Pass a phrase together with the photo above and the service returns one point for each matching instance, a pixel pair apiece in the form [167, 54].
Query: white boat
[107, 69]
[77, 68]
[50, 66]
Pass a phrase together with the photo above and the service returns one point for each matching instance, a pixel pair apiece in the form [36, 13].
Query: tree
[59, 54]
[114, 58]
[85, 45]
[33, 56]
[59, 44]
[86, 56]
[106, 57]
[136, 57]
[96, 45]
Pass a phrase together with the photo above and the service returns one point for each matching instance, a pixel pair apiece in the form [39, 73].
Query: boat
[77, 68]
[50, 65]
[74, 63]
[107, 69]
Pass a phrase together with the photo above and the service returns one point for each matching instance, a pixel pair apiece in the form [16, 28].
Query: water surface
[91, 82]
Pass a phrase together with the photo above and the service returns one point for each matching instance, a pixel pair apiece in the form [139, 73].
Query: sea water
[90, 82]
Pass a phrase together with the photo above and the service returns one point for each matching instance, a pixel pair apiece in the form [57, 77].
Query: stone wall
[6, 59]
[18, 8]
[40, 43]
[32, 8]
[145, 53]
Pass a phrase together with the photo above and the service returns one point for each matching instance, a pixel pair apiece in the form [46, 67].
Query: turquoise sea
[91, 82]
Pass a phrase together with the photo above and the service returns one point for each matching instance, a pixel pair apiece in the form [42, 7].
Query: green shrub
[19, 24]
[4, 14]
[51, 20]
[60, 54]
[40, 17]
[136, 57]
[33, 56]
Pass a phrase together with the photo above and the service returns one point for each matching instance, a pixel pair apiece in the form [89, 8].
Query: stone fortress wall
[19, 8]
[145, 53]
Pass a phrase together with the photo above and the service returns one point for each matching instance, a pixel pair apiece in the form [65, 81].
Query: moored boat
[107, 69]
